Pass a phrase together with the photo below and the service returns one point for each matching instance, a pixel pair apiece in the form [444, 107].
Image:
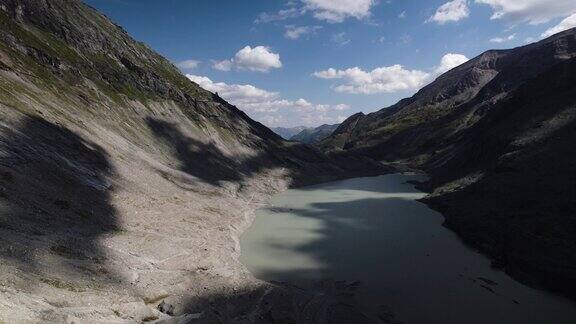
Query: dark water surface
[374, 231]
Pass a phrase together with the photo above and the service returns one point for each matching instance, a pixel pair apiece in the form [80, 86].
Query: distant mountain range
[288, 132]
[497, 136]
[303, 134]
[314, 135]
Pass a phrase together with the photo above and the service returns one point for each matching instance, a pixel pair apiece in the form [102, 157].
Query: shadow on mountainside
[304, 164]
[522, 212]
[55, 199]
[331, 302]
[202, 160]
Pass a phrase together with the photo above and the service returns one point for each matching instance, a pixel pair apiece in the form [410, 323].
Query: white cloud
[338, 10]
[387, 79]
[333, 11]
[188, 64]
[340, 39]
[565, 24]
[380, 80]
[341, 118]
[402, 15]
[279, 16]
[450, 61]
[237, 94]
[502, 39]
[268, 107]
[341, 107]
[295, 32]
[530, 11]
[224, 65]
[451, 11]
[259, 58]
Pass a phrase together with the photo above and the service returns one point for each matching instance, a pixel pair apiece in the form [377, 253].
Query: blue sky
[309, 62]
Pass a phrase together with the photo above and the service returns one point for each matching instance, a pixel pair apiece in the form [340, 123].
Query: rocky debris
[166, 308]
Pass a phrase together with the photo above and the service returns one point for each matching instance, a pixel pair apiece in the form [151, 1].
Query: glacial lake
[373, 231]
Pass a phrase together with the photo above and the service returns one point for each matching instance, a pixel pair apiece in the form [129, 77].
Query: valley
[130, 194]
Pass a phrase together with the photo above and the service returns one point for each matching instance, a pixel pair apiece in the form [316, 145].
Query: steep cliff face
[494, 136]
[122, 183]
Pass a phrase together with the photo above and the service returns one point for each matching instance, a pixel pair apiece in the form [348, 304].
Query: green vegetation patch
[40, 40]
[57, 283]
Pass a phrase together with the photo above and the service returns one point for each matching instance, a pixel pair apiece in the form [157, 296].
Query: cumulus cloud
[295, 32]
[188, 64]
[451, 11]
[268, 107]
[338, 10]
[259, 58]
[450, 61]
[530, 11]
[380, 80]
[387, 79]
[502, 39]
[565, 24]
[333, 11]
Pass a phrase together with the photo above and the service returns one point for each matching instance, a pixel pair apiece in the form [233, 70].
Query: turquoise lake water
[374, 231]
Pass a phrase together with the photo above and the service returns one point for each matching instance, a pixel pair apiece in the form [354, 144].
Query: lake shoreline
[271, 203]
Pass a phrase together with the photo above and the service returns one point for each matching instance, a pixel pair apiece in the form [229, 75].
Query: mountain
[496, 137]
[287, 132]
[124, 185]
[314, 135]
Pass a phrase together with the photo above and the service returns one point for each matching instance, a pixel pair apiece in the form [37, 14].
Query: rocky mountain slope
[496, 136]
[314, 135]
[124, 186]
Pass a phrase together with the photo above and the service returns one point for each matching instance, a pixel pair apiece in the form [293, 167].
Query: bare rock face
[122, 183]
[494, 134]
